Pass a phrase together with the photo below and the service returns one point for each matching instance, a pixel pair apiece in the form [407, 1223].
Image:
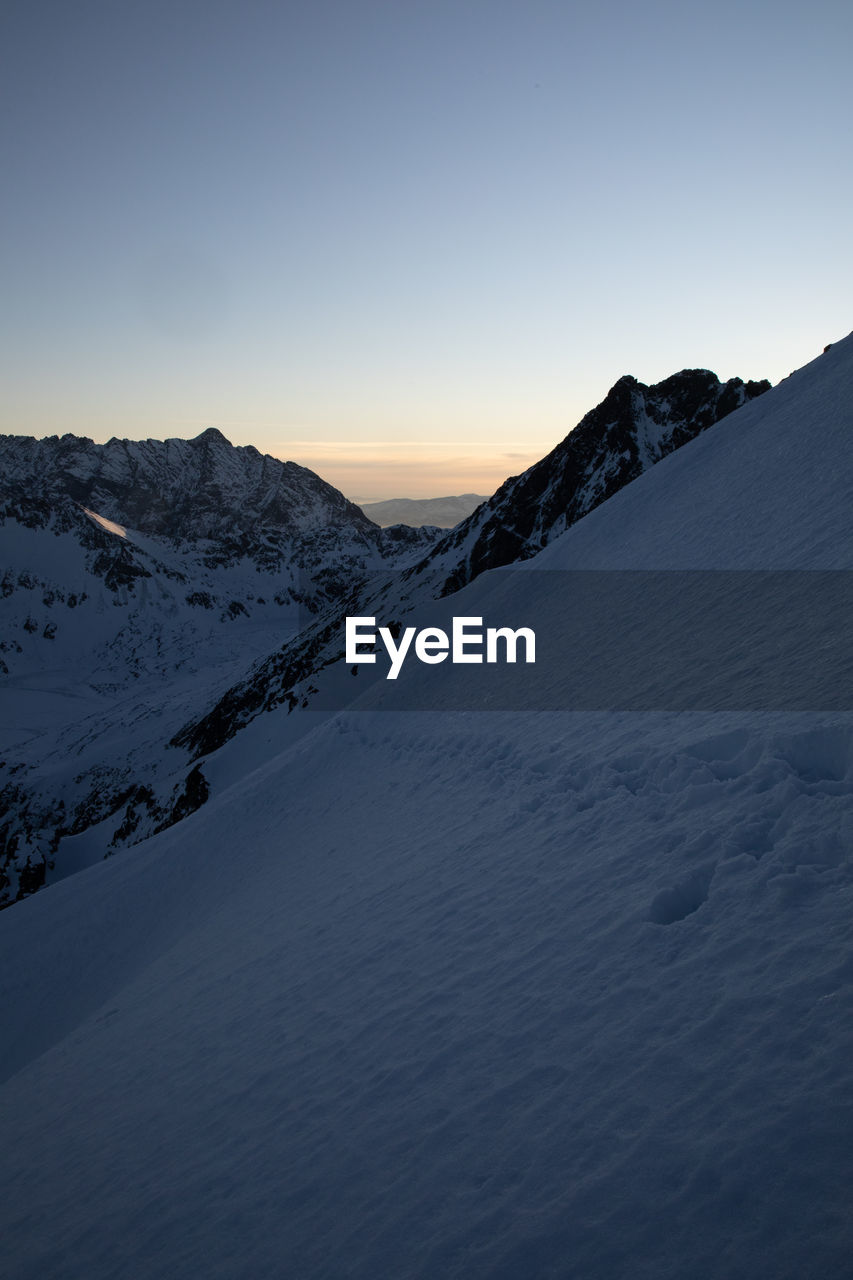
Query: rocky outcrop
[633, 428]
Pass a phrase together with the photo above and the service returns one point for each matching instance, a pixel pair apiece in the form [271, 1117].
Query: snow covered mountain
[140, 578]
[469, 994]
[634, 427]
[195, 508]
[204, 488]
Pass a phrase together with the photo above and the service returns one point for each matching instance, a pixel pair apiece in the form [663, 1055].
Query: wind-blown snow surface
[449, 994]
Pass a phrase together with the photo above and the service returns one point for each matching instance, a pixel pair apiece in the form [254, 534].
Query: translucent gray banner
[634, 641]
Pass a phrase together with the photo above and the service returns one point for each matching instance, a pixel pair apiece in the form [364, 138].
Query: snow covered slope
[474, 994]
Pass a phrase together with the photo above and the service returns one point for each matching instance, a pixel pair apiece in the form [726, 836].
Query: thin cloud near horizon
[379, 478]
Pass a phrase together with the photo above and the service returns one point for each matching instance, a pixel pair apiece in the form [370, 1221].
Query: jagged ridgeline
[634, 427]
[159, 595]
[224, 506]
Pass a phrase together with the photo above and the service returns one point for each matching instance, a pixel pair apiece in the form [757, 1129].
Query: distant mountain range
[442, 512]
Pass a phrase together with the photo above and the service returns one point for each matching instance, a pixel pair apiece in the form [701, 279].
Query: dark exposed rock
[194, 794]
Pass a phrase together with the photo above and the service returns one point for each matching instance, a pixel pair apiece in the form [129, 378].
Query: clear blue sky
[410, 244]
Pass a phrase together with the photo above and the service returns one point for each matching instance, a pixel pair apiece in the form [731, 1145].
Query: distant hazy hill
[443, 512]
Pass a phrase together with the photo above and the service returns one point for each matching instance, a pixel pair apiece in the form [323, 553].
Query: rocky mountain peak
[212, 435]
[633, 427]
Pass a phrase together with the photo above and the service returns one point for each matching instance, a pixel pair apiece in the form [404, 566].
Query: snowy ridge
[201, 488]
[473, 995]
[230, 502]
[633, 428]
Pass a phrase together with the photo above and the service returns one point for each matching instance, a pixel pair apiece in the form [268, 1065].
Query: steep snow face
[109, 525]
[767, 489]
[469, 995]
[764, 490]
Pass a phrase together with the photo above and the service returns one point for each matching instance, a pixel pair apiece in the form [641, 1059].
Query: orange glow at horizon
[379, 470]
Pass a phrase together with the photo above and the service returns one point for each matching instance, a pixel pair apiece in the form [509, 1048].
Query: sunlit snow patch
[109, 525]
